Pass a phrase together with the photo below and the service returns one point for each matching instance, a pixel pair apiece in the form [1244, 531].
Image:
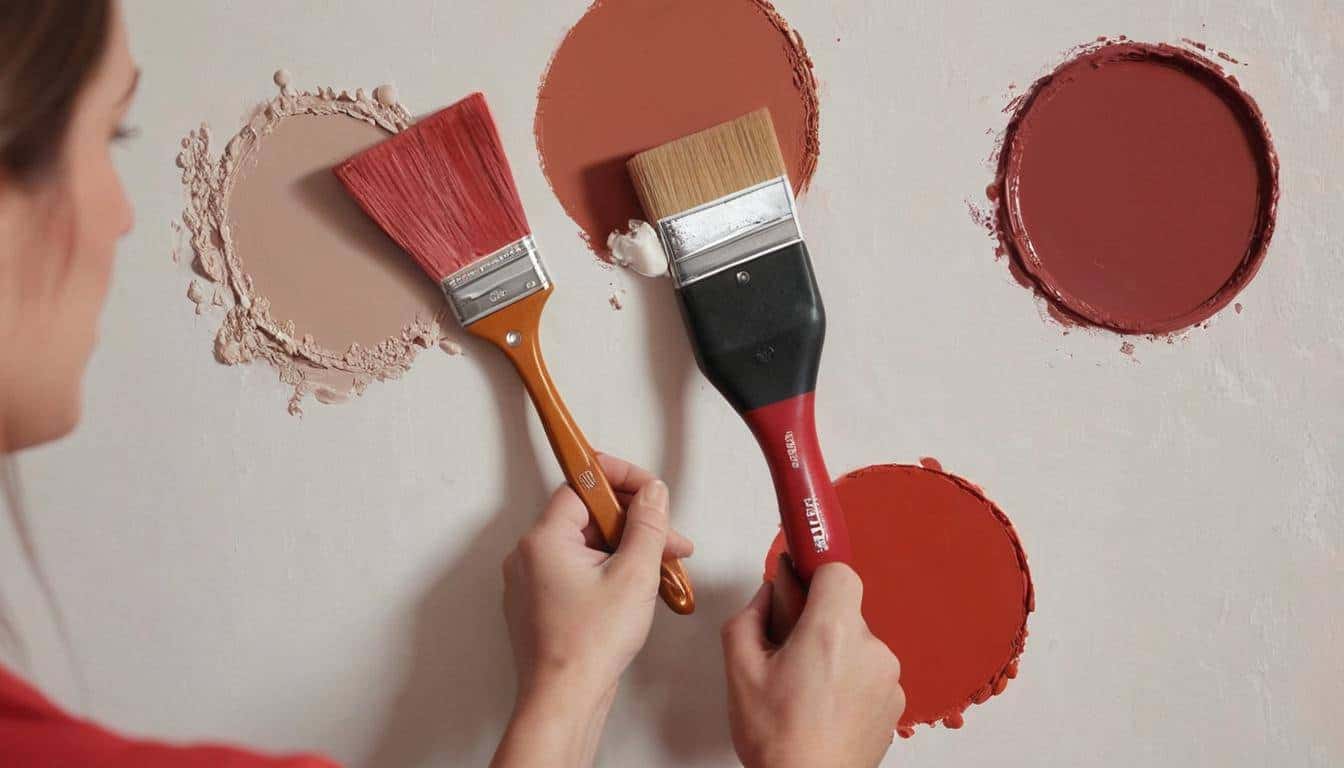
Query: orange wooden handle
[514, 330]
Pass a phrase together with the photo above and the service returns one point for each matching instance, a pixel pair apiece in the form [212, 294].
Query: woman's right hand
[829, 694]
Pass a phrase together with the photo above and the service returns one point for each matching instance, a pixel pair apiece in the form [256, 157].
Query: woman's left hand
[578, 615]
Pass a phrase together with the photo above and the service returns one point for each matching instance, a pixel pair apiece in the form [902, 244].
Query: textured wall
[230, 571]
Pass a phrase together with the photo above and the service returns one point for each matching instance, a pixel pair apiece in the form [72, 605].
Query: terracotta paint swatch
[633, 74]
[1137, 188]
[946, 585]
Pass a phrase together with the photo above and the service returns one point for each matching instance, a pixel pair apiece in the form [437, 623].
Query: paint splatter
[620, 83]
[982, 216]
[1171, 118]
[946, 585]
[196, 295]
[178, 233]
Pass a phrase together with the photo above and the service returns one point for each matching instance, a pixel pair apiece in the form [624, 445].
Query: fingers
[625, 478]
[786, 603]
[678, 545]
[745, 644]
[835, 594]
[593, 539]
[564, 509]
[628, 480]
[645, 535]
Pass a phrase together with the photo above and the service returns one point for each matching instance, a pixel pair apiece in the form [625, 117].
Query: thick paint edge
[1068, 311]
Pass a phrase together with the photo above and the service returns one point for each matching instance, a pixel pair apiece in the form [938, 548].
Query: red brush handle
[809, 511]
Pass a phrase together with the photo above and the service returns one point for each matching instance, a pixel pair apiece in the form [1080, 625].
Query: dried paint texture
[347, 356]
[1137, 188]
[634, 74]
[946, 585]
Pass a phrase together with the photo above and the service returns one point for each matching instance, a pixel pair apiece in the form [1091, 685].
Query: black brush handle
[757, 330]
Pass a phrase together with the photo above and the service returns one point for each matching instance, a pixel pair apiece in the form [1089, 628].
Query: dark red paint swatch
[1137, 188]
[946, 585]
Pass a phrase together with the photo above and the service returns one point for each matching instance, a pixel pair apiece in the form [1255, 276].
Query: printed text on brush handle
[809, 511]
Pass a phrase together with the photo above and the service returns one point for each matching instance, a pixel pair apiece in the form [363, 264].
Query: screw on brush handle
[514, 330]
[809, 511]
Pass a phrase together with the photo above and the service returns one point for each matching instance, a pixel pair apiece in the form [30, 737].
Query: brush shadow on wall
[672, 366]
[609, 198]
[679, 674]
[322, 195]
[458, 685]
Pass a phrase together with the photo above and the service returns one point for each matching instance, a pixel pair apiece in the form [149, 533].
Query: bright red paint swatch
[946, 585]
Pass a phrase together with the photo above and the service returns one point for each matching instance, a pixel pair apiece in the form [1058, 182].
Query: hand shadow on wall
[458, 687]
[680, 674]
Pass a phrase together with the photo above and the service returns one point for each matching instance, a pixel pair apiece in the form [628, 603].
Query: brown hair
[48, 50]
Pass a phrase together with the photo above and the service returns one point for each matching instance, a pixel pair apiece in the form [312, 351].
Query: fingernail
[657, 493]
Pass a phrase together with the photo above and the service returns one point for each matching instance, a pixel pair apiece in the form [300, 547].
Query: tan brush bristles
[705, 166]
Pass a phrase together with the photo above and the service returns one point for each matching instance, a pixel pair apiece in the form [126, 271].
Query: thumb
[645, 534]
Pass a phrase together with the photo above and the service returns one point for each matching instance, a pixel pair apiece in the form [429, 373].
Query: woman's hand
[828, 695]
[577, 615]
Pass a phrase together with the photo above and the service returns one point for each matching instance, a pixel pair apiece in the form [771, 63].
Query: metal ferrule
[488, 285]
[724, 233]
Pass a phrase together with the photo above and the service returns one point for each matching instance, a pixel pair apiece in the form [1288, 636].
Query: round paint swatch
[945, 585]
[309, 249]
[1137, 188]
[304, 279]
[633, 74]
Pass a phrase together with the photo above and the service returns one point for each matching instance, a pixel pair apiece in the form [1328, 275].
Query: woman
[828, 695]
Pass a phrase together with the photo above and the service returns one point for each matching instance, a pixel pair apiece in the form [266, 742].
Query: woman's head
[66, 80]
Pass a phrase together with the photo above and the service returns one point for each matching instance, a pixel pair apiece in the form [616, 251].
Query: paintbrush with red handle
[444, 191]
[724, 210]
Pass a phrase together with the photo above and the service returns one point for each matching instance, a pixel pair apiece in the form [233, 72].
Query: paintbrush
[724, 210]
[443, 190]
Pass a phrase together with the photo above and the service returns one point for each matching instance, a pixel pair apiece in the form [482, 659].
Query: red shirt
[35, 734]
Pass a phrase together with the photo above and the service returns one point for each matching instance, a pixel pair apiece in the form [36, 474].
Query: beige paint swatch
[317, 290]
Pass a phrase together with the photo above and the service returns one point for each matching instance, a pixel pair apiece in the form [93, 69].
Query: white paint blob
[638, 249]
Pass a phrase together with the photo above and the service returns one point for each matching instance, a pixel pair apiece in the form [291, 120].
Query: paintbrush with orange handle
[444, 191]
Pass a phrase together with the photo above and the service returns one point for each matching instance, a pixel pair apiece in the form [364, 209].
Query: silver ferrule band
[724, 233]
[488, 285]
